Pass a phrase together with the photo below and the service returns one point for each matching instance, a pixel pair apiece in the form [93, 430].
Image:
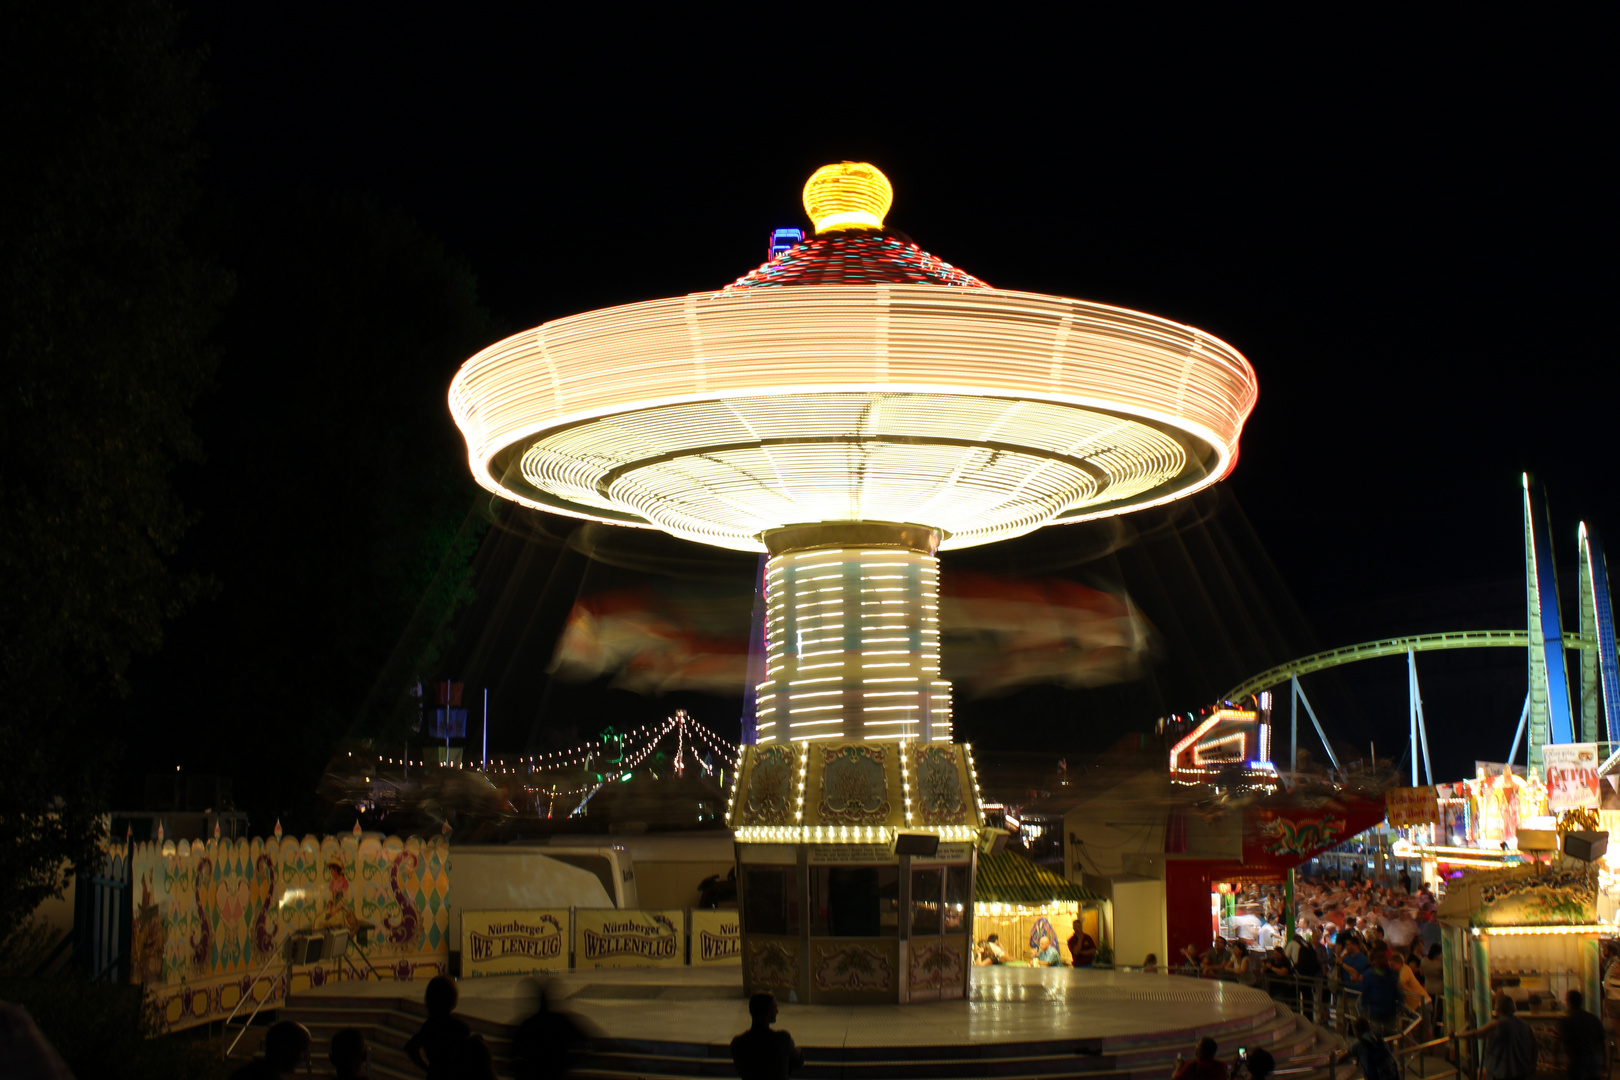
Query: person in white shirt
[993, 951]
[1266, 937]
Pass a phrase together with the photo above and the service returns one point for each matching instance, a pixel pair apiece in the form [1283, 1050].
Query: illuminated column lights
[845, 834]
[852, 643]
[905, 785]
[973, 774]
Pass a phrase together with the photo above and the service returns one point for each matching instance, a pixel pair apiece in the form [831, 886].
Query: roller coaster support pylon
[1420, 730]
[1518, 736]
[1298, 695]
[1600, 671]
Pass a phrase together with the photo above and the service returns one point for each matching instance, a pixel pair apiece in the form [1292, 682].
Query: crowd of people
[445, 1048]
[1372, 943]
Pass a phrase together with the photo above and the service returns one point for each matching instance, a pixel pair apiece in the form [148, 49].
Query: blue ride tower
[1551, 717]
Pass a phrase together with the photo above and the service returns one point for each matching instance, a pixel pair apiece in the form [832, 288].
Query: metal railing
[1334, 1006]
[1341, 1066]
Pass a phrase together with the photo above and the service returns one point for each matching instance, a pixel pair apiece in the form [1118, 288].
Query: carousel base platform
[1016, 1022]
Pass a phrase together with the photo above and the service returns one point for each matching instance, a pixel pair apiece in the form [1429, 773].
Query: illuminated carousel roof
[856, 258]
[855, 377]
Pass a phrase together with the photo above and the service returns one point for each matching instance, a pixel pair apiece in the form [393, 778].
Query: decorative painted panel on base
[937, 966]
[850, 972]
[771, 965]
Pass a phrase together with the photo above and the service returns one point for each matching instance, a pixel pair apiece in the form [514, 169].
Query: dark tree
[107, 310]
[341, 519]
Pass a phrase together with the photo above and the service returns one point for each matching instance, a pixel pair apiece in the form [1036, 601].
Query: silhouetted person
[286, 1047]
[437, 1045]
[1204, 1065]
[545, 1042]
[24, 1051]
[1259, 1065]
[1510, 1045]
[348, 1055]
[1583, 1038]
[474, 1061]
[1370, 1052]
[760, 1053]
[1082, 947]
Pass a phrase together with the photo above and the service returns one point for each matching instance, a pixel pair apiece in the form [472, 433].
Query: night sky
[1405, 227]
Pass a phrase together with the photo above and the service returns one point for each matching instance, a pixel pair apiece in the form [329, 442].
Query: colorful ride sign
[1572, 775]
[611, 938]
[514, 942]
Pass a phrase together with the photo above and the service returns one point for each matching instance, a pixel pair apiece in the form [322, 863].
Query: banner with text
[514, 942]
[716, 937]
[610, 938]
[1571, 771]
[1408, 806]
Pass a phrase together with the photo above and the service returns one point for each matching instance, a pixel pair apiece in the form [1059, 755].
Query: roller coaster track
[1368, 650]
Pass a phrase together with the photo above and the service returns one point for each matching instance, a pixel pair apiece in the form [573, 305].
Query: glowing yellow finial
[849, 195]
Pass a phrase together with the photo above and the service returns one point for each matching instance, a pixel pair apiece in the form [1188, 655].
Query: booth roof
[1008, 878]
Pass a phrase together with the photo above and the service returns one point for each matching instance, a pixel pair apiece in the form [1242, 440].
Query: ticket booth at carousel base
[855, 870]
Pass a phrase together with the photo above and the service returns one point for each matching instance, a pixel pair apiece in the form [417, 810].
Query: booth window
[771, 899]
[855, 901]
[956, 898]
[926, 885]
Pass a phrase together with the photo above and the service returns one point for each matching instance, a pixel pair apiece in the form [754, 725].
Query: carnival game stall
[1499, 819]
[1502, 819]
[1021, 903]
[1530, 932]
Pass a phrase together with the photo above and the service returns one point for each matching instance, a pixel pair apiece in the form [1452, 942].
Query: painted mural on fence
[209, 914]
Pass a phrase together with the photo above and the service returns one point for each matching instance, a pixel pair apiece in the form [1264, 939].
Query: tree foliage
[340, 517]
[105, 315]
[104, 1029]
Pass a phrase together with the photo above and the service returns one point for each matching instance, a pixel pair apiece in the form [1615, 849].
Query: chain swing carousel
[851, 408]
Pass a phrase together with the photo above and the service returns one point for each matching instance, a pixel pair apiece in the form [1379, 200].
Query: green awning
[1008, 878]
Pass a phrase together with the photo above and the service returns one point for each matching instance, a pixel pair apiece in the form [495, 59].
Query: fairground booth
[1523, 868]
[1022, 903]
[1529, 932]
[1472, 824]
[856, 865]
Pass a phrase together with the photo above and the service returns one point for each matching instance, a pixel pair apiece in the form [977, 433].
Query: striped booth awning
[1008, 878]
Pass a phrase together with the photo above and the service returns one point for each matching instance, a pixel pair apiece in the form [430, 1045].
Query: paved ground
[705, 1005]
